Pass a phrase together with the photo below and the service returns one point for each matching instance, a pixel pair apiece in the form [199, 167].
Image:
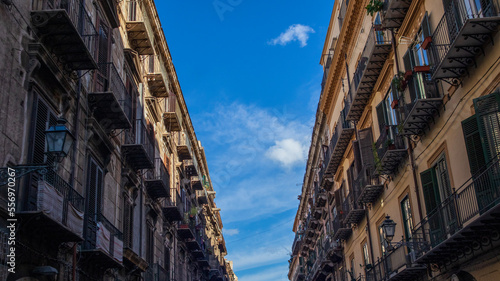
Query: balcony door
[95, 183]
[103, 46]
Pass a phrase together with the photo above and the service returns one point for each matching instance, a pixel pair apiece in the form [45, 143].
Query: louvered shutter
[358, 162]
[381, 116]
[430, 189]
[487, 112]
[365, 147]
[473, 144]
[426, 29]
[407, 60]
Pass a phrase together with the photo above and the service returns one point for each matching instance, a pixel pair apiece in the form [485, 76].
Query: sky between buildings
[250, 74]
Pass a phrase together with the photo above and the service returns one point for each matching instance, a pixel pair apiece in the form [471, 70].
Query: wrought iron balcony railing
[394, 13]
[110, 102]
[183, 146]
[460, 225]
[369, 185]
[460, 36]
[390, 150]
[158, 180]
[57, 206]
[377, 48]
[104, 237]
[421, 101]
[155, 76]
[173, 210]
[67, 30]
[138, 146]
[354, 212]
[139, 30]
[338, 143]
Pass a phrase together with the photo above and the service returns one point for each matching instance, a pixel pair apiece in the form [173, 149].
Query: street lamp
[59, 140]
[388, 228]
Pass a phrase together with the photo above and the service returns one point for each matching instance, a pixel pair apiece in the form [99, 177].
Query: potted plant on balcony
[376, 158]
[374, 6]
[389, 144]
[426, 43]
[399, 82]
[193, 212]
[422, 68]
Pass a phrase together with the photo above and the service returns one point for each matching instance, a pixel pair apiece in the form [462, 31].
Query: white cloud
[287, 152]
[230, 232]
[295, 32]
[276, 273]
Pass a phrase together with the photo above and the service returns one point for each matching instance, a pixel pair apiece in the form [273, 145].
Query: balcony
[190, 168]
[341, 230]
[67, 31]
[394, 13]
[465, 224]
[138, 148]
[153, 105]
[421, 101]
[391, 151]
[353, 211]
[340, 140]
[138, 30]
[369, 186]
[172, 114]
[186, 230]
[194, 245]
[196, 183]
[154, 76]
[53, 209]
[297, 244]
[461, 36]
[202, 197]
[110, 103]
[183, 146]
[172, 211]
[376, 51]
[397, 264]
[158, 181]
[103, 245]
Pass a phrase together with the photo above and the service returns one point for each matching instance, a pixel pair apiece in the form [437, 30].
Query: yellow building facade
[402, 175]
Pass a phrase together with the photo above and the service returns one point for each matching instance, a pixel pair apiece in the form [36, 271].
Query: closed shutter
[430, 189]
[365, 147]
[381, 116]
[426, 29]
[358, 162]
[473, 144]
[407, 60]
[487, 112]
[94, 194]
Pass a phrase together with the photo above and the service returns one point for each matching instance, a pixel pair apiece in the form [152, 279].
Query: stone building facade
[406, 139]
[133, 199]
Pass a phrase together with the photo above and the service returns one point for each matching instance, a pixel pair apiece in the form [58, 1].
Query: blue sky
[250, 74]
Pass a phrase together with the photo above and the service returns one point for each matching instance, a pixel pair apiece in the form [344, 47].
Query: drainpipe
[372, 257]
[408, 141]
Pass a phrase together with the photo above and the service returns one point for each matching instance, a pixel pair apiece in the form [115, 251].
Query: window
[128, 223]
[385, 114]
[366, 255]
[407, 217]
[416, 54]
[150, 242]
[482, 140]
[353, 274]
[44, 118]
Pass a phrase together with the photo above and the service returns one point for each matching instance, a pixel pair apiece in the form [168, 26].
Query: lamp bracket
[20, 171]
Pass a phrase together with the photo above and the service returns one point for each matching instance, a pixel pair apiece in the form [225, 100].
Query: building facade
[402, 174]
[131, 199]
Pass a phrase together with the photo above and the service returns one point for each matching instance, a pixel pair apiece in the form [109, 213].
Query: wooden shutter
[487, 112]
[358, 162]
[430, 189]
[473, 144]
[365, 147]
[381, 116]
[426, 29]
[407, 60]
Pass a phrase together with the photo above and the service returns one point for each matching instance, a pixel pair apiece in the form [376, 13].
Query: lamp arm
[21, 171]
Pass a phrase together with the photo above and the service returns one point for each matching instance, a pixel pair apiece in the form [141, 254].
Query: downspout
[408, 141]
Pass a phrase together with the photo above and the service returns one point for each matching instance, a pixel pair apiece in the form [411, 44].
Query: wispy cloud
[295, 32]
[275, 273]
[231, 232]
[288, 152]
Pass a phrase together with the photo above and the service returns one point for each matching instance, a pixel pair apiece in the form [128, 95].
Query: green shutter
[473, 144]
[430, 189]
[381, 115]
[487, 112]
[426, 29]
[407, 60]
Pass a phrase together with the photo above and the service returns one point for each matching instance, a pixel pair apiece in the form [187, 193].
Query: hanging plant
[378, 162]
[374, 6]
[399, 82]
